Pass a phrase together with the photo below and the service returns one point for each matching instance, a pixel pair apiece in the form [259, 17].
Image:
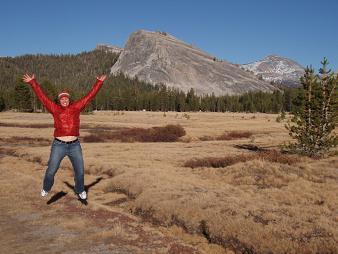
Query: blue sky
[237, 31]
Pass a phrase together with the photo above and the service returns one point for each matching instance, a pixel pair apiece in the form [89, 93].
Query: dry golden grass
[257, 206]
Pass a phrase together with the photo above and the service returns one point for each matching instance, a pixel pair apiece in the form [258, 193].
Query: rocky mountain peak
[158, 57]
[109, 48]
[276, 68]
[273, 58]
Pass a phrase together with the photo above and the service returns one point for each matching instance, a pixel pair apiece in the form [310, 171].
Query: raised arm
[83, 102]
[47, 102]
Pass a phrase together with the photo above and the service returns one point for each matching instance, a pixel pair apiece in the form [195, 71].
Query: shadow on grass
[87, 187]
[56, 197]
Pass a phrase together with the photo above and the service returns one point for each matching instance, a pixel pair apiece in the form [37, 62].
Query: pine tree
[315, 117]
[49, 90]
[2, 104]
[22, 97]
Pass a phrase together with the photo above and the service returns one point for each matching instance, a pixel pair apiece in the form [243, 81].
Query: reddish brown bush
[207, 138]
[25, 156]
[47, 125]
[235, 135]
[7, 151]
[276, 156]
[228, 136]
[42, 125]
[168, 133]
[93, 138]
[217, 162]
[220, 162]
[26, 140]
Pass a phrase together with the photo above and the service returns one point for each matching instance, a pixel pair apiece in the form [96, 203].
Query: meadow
[220, 176]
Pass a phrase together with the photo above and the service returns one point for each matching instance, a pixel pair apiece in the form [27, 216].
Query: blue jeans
[58, 151]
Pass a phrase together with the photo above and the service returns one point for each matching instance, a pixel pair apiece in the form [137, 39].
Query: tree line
[77, 74]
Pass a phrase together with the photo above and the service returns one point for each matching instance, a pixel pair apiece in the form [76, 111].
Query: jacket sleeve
[47, 102]
[83, 102]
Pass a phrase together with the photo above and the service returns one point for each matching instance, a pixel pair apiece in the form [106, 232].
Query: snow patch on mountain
[277, 69]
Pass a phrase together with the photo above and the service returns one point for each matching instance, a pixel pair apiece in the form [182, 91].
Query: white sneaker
[44, 193]
[83, 195]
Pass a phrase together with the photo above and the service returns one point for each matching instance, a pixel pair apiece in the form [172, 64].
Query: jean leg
[76, 158]
[58, 152]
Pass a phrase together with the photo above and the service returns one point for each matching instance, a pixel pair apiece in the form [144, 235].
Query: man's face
[64, 101]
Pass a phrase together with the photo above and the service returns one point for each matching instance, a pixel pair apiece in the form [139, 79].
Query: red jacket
[66, 119]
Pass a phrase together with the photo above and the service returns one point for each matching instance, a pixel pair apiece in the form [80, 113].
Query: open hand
[26, 78]
[101, 78]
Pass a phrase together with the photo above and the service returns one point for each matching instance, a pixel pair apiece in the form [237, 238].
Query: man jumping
[66, 142]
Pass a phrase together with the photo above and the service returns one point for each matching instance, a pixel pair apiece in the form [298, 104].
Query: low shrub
[26, 140]
[37, 125]
[168, 133]
[232, 135]
[217, 162]
[221, 162]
